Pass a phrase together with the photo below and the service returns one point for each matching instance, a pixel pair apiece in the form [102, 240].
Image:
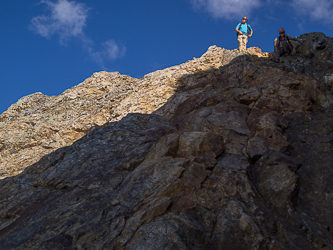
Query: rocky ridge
[38, 124]
[227, 151]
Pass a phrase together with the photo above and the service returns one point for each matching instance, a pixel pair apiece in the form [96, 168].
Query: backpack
[248, 30]
[290, 41]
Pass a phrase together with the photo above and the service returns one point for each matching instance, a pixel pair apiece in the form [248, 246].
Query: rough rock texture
[38, 124]
[230, 151]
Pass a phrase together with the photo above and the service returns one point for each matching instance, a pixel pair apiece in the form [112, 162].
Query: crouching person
[282, 45]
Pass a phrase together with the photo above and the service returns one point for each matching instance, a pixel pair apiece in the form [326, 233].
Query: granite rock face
[38, 124]
[228, 151]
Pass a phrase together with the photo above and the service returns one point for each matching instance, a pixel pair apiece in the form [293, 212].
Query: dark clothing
[282, 46]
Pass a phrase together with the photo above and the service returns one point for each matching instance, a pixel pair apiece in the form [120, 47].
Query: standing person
[244, 31]
[282, 44]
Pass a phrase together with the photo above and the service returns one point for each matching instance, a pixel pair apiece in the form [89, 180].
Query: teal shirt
[243, 27]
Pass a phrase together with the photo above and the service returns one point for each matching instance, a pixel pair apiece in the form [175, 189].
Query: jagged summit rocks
[38, 124]
[227, 151]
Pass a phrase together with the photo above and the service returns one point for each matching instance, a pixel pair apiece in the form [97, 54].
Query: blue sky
[49, 46]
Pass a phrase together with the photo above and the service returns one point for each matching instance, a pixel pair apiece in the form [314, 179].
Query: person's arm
[295, 39]
[237, 29]
[291, 38]
[251, 32]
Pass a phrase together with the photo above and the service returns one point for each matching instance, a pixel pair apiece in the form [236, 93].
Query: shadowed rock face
[238, 157]
[38, 124]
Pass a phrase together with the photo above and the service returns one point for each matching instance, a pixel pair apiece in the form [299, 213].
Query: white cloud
[321, 10]
[113, 49]
[228, 9]
[67, 19]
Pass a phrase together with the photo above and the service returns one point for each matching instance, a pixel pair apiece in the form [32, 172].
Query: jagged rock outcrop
[228, 151]
[38, 124]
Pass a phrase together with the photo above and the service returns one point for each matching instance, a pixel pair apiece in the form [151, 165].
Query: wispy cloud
[320, 10]
[67, 19]
[228, 9]
[111, 50]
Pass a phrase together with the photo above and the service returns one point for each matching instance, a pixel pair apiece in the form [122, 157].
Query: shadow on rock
[238, 158]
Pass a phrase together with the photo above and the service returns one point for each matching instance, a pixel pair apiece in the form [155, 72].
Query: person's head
[282, 32]
[244, 19]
